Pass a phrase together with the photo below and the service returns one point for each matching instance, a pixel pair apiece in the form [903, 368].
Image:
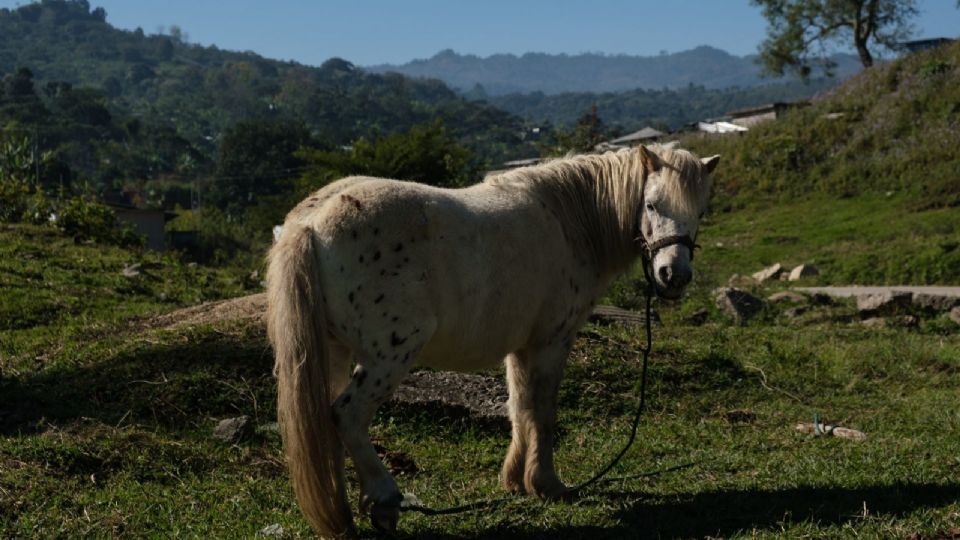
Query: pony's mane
[598, 197]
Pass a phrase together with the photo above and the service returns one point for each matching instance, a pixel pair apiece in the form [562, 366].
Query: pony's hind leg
[534, 381]
[375, 378]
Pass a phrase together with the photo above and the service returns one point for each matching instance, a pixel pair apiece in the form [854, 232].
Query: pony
[370, 277]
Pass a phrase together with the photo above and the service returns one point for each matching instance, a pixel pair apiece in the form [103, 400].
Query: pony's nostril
[665, 273]
[681, 279]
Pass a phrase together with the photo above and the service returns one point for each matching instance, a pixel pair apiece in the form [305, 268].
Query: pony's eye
[650, 207]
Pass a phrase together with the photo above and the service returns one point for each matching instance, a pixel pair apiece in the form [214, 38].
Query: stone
[955, 315]
[131, 270]
[272, 530]
[737, 304]
[770, 272]
[935, 302]
[885, 302]
[786, 297]
[874, 322]
[698, 317]
[234, 430]
[795, 311]
[802, 271]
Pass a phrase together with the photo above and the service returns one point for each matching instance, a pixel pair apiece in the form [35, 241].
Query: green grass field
[105, 421]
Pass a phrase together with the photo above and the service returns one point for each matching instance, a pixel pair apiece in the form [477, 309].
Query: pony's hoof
[384, 517]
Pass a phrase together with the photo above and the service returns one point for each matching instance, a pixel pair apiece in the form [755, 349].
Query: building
[645, 135]
[751, 116]
[923, 44]
[148, 222]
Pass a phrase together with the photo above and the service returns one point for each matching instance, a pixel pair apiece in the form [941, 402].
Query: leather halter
[650, 250]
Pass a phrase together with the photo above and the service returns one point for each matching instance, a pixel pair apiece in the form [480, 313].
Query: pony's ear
[710, 163]
[651, 162]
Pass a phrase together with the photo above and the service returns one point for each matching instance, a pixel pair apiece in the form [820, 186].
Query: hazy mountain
[551, 74]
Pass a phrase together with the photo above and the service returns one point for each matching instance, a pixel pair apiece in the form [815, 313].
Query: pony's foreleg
[534, 381]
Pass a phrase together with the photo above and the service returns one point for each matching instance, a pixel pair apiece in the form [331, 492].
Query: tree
[801, 32]
[257, 158]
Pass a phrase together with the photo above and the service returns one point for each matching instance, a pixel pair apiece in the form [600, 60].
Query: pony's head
[674, 201]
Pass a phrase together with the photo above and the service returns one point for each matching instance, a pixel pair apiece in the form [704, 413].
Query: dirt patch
[453, 395]
[243, 308]
[456, 395]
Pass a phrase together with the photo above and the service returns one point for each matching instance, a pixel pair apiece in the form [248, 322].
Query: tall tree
[802, 32]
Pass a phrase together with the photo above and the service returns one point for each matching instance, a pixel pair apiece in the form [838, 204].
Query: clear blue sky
[369, 32]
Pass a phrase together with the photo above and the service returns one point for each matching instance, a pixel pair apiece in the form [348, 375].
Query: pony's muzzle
[674, 277]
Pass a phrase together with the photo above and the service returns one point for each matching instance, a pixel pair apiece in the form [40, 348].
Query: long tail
[296, 325]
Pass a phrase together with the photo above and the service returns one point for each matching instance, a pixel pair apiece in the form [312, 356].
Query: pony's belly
[460, 357]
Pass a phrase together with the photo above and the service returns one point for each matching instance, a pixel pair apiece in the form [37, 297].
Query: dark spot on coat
[352, 200]
[396, 340]
[398, 247]
[376, 256]
[354, 234]
[361, 258]
[406, 259]
[376, 382]
[341, 268]
[378, 299]
[383, 272]
[350, 297]
[344, 400]
[376, 231]
[394, 319]
[360, 376]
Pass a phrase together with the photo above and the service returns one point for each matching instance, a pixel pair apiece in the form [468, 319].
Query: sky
[368, 32]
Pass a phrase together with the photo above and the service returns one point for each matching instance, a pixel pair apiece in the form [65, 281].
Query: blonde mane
[598, 198]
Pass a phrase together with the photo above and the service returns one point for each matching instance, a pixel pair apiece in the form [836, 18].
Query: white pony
[387, 275]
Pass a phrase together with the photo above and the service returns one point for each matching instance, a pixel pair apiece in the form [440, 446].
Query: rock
[904, 321]
[131, 270]
[233, 430]
[907, 321]
[698, 317]
[802, 271]
[786, 297]
[795, 311]
[737, 304]
[934, 302]
[885, 302]
[874, 322]
[272, 530]
[770, 272]
[955, 315]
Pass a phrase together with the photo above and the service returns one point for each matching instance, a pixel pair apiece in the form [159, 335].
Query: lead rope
[577, 489]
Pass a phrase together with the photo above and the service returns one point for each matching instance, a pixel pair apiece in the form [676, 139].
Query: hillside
[552, 74]
[198, 92]
[865, 183]
[668, 108]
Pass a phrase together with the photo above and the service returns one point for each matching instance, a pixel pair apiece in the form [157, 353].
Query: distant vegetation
[141, 106]
[554, 74]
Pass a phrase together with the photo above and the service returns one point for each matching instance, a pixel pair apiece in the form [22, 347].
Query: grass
[106, 423]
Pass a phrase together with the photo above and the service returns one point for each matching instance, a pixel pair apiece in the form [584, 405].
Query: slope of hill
[202, 90]
[671, 109]
[551, 74]
[865, 183]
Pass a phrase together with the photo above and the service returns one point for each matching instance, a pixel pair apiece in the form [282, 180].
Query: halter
[649, 250]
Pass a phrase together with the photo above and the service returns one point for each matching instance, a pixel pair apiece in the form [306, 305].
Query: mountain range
[501, 74]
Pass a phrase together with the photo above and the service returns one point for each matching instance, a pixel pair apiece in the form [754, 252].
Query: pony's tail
[296, 325]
